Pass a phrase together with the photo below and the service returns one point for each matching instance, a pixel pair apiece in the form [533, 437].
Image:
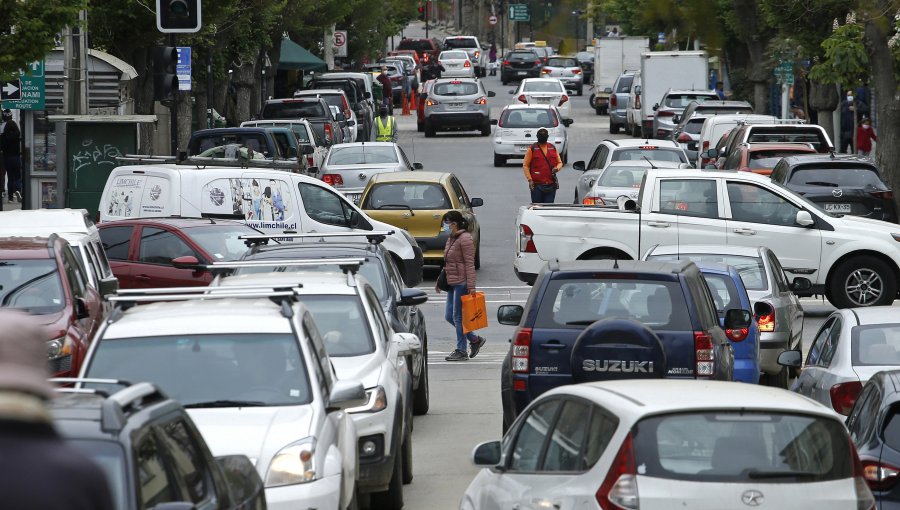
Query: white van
[272, 201]
[76, 227]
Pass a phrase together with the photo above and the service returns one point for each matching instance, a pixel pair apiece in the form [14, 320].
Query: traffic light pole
[173, 110]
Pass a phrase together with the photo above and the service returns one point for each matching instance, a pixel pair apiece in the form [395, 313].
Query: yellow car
[416, 202]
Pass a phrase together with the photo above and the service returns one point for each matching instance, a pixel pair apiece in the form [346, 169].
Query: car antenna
[651, 163]
[616, 263]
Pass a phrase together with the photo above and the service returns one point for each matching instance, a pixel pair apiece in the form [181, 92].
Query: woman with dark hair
[10, 141]
[459, 266]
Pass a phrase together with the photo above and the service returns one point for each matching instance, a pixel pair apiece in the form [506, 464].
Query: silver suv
[458, 104]
[672, 104]
[472, 47]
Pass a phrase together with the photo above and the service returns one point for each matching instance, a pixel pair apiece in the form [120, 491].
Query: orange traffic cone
[414, 102]
[404, 102]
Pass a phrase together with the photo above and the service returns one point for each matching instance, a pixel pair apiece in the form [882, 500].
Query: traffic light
[421, 12]
[165, 82]
[178, 16]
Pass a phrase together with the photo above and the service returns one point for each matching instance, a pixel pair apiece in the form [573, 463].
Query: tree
[29, 30]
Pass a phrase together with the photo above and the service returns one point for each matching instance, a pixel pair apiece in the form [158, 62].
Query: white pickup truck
[852, 261]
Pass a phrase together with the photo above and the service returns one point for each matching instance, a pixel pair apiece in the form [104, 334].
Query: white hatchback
[541, 92]
[663, 444]
[456, 64]
[517, 130]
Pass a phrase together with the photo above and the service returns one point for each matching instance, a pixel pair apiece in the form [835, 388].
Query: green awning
[294, 56]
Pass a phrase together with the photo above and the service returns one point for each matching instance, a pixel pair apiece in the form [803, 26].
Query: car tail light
[309, 161]
[737, 335]
[521, 354]
[706, 145]
[637, 101]
[766, 322]
[333, 179]
[538, 62]
[613, 101]
[593, 201]
[883, 195]
[879, 476]
[864, 498]
[576, 71]
[526, 244]
[467, 64]
[619, 489]
[481, 100]
[563, 99]
[523, 99]
[843, 396]
[665, 113]
[430, 102]
[685, 138]
[546, 71]
[477, 54]
[506, 63]
[328, 132]
[705, 356]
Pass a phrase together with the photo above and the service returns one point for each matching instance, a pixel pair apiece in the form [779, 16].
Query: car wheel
[429, 130]
[863, 281]
[392, 499]
[407, 454]
[499, 160]
[486, 129]
[506, 392]
[613, 128]
[421, 399]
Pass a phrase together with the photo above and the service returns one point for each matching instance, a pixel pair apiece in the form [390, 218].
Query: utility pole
[173, 110]
[209, 92]
[75, 87]
[329, 47]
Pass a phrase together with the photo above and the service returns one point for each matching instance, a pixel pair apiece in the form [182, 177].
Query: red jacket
[541, 172]
[864, 138]
[459, 260]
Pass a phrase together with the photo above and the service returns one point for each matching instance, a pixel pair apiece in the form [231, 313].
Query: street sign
[340, 43]
[492, 20]
[183, 67]
[784, 72]
[519, 12]
[30, 93]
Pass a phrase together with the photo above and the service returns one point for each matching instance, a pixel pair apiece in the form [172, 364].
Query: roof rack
[347, 264]
[611, 141]
[145, 159]
[374, 237]
[115, 408]
[203, 162]
[278, 294]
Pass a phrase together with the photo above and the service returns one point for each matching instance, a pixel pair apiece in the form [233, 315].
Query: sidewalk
[6, 206]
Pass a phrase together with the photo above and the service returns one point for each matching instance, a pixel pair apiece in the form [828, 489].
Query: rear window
[723, 291]
[875, 345]
[362, 155]
[682, 100]
[340, 85]
[522, 55]
[694, 126]
[768, 159]
[794, 135]
[409, 44]
[207, 145]
[854, 177]
[455, 88]
[751, 269]
[543, 86]
[562, 62]
[528, 118]
[744, 447]
[619, 177]
[453, 55]
[577, 303]
[624, 84]
[294, 110]
[400, 195]
[462, 42]
[670, 154]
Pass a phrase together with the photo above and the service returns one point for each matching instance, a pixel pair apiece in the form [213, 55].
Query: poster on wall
[49, 195]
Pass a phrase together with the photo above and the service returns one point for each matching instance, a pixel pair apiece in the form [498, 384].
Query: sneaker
[17, 197]
[457, 355]
[476, 346]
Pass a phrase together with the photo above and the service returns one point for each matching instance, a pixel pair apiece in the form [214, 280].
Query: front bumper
[382, 428]
[324, 493]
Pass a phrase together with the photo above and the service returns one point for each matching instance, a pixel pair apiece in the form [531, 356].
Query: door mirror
[418, 166]
[312, 170]
[346, 393]
[82, 309]
[656, 107]
[407, 343]
[637, 89]
[579, 165]
[737, 318]
[491, 93]
[676, 119]
[510, 315]
[568, 122]
[187, 262]
[307, 149]
[487, 454]
[793, 359]
[412, 297]
[804, 219]
[109, 286]
[476, 202]
[801, 284]
[761, 309]
[493, 122]
[241, 478]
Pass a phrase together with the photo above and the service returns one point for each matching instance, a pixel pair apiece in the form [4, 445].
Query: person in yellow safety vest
[385, 126]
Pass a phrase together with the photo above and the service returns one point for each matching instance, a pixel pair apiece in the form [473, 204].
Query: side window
[754, 204]
[102, 261]
[597, 157]
[815, 351]
[689, 197]
[187, 460]
[567, 440]
[780, 278]
[116, 242]
[531, 436]
[323, 375]
[734, 161]
[603, 426]
[705, 305]
[324, 206]
[74, 272]
[160, 246]
[383, 330]
[459, 192]
[154, 478]
[831, 343]
[778, 173]
[863, 422]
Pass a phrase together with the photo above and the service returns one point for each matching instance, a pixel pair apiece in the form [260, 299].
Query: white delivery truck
[612, 57]
[662, 71]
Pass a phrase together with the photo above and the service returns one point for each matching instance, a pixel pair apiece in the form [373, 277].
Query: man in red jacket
[387, 89]
[542, 162]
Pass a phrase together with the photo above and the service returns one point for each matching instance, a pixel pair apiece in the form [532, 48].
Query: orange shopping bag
[474, 312]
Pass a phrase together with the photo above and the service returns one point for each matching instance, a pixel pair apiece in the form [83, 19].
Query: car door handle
[142, 277]
[745, 231]
[658, 224]
[554, 344]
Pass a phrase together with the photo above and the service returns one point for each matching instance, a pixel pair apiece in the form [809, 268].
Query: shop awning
[294, 56]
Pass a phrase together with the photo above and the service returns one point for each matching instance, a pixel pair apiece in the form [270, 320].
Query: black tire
[407, 454]
[486, 129]
[506, 384]
[635, 131]
[429, 130]
[499, 160]
[613, 128]
[392, 499]
[421, 397]
[503, 81]
[565, 157]
[874, 279]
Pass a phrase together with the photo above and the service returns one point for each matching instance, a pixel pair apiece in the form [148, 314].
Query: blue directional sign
[183, 68]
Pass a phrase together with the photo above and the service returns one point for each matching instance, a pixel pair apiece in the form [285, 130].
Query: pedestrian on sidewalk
[542, 162]
[459, 267]
[492, 57]
[385, 126]
[10, 146]
[865, 134]
[387, 89]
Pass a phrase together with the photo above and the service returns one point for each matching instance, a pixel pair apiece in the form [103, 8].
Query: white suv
[362, 346]
[472, 47]
[517, 130]
[252, 371]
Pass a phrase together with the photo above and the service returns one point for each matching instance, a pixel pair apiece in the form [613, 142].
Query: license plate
[522, 148]
[522, 73]
[354, 197]
[837, 208]
[455, 106]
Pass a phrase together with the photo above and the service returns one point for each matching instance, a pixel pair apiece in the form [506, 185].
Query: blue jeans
[453, 315]
[543, 197]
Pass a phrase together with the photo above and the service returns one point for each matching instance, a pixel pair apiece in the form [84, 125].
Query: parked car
[712, 107]
[456, 64]
[840, 184]
[427, 48]
[790, 132]
[335, 98]
[349, 166]
[473, 50]
[761, 158]
[306, 136]
[716, 128]
[586, 61]
[457, 104]
[618, 102]
[151, 452]
[410, 68]
[873, 428]
[617, 182]
[358, 87]
[670, 444]
[566, 70]
[687, 134]
[543, 91]
[424, 90]
[673, 104]
[609, 151]
[395, 74]
[416, 202]
[518, 125]
[520, 64]
[315, 110]
[204, 142]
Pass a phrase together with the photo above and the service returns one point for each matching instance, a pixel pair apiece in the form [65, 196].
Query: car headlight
[59, 348]
[295, 463]
[376, 400]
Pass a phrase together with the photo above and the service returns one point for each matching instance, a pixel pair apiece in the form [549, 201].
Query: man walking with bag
[542, 162]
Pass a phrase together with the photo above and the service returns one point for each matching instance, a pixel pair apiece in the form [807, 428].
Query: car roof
[26, 247]
[532, 80]
[691, 91]
[643, 163]
[767, 146]
[416, 176]
[625, 266]
[522, 106]
[449, 80]
[325, 248]
[717, 268]
[876, 315]
[313, 282]
[638, 142]
[61, 220]
[364, 144]
[716, 103]
[174, 221]
[741, 251]
[317, 92]
[227, 130]
[836, 159]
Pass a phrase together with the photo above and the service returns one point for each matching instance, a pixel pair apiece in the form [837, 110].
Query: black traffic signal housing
[165, 81]
[421, 12]
[178, 16]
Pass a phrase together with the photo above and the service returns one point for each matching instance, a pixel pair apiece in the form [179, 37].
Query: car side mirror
[241, 478]
[568, 122]
[656, 107]
[187, 262]
[109, 286]
[487, 454]
[346, 393]
[493, 122]
[801, 284]
[793, 359]
[579, 165]
[412, 297]
[312, 170]
[175, 505]
[804, 219]
[307, 149]
[737, 318]
[418, 166]
[82, 309]
[491, 93]
[476, 202]
[510, 315]
[637, 89]
[407, 343]
[676, 119]
[607, 90]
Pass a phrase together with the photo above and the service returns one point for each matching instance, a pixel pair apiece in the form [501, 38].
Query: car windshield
[264, 369]
[562, 62]
[770, 158]
[294, 110]
[299, 130]
[362, 155]
[543, 86]
[852, 177]
[455, 88]
[723, 291]
[682, 100]
[370, 269]
[621, 177]
[751, 269]
[463, 42]
[577, 303]
[694, 126]
[743, 447]
[208, 143]
[343, 324]
[528, 118]
[332, 100]
[670, 154]
[221, 241]
[110, 458]
[875, 345]
[400, 195]
[453, 55]
[31, 285]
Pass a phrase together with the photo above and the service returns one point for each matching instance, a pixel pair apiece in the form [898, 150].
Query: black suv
[839, 184]
[150, 450]
[604, 319]
[519, 64]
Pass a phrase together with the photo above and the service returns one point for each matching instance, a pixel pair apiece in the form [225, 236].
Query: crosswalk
[504, 294]
[483, 358]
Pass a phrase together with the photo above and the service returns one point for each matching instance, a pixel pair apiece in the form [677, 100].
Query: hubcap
[864, 287]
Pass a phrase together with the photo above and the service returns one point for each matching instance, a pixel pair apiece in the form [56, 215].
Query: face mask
[445, 227]
[849, 98]
[542, 138]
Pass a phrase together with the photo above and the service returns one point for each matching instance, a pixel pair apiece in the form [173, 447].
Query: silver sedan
[765, 281]
[349, 166]
[850, 347]
[619, 181]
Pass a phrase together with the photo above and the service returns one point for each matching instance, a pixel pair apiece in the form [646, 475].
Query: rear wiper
[586, 322]
[226, 403]
[821, 183]
[762, 473]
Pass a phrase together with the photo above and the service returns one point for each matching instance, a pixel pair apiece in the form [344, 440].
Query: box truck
[612, 57]
[662, 71]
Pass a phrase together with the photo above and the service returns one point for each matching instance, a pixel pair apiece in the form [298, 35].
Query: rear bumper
[770, 346]
[456, 119]
[618, 116]
[746, 371]
[520, 73]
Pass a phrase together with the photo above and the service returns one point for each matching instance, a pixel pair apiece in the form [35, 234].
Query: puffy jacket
[459, 260]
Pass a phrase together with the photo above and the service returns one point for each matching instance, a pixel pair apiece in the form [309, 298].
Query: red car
[761, 158]
[43, 276]
[170, 252]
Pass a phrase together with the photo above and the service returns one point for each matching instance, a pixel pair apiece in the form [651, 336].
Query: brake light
[328, 132]
[737, 335]
[467, 64]
[704, 354]
[309, 161]
[879, 476]
[613, 101]
[430, 102]
[538, 62]
[526, 244]
[563, 99]
[766, 322]
[576, 71]
[521, 354]
[883, 195]
[333, 179]
[637, 101]
[864, 498]
[619, 489]
[523, 99]
[506, 62]
[706, 145]
[545, 71]
[481, 100]
[593, 201]
[665, 113]
[685, 138]
[477, 54]
[843, 396]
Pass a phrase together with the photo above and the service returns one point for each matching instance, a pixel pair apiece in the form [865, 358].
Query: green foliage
[28, 30]
[846, 60]
[686, 19]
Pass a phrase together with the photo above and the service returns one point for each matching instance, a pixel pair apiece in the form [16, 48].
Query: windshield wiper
[397, 206]
[756, 474]
[226, 403]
